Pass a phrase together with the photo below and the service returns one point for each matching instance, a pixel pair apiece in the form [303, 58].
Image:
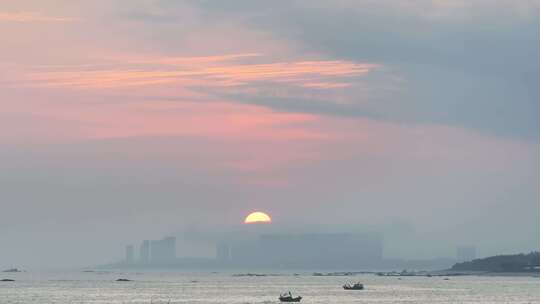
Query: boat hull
[290, 300]
[348, 287]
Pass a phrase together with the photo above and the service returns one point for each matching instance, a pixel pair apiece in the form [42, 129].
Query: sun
[257, 217]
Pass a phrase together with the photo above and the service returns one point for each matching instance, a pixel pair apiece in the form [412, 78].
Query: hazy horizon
[129, 120]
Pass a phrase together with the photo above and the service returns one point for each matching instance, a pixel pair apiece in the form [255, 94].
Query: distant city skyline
[258, 247]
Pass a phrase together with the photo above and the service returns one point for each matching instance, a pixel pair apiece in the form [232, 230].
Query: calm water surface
[161, 287]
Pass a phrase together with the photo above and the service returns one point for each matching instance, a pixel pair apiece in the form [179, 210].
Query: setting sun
[257, 217]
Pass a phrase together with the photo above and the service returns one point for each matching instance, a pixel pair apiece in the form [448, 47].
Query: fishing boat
[355, 286]
[287, 297]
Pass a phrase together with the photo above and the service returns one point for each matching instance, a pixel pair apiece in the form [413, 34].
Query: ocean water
[223, 287]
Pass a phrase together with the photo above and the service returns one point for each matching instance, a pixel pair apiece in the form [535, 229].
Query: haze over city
[124, 121]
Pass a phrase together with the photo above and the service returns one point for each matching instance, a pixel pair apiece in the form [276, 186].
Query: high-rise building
[465, 253]
[130, 255]
[163, 251]
[144, 252]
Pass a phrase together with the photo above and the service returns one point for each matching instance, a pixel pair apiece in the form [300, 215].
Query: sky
[130, 120]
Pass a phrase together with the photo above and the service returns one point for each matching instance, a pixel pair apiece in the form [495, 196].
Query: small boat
[287, 297]
[123, 280]
[7, 280]
[355, 286]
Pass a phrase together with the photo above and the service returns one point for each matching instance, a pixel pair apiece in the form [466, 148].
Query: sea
[241, 288]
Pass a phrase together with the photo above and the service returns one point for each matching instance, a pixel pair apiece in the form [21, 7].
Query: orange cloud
[210, 71]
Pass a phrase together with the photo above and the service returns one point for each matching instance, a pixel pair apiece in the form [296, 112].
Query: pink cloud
[32, 17]
[77, 90]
